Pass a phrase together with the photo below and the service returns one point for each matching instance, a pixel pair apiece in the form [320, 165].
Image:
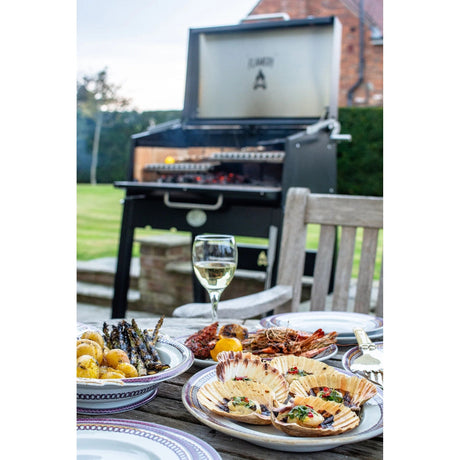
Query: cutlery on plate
[370, 363]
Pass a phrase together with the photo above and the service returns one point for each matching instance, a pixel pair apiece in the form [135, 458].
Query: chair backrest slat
[292, 252]
[366, 270]
[344, 269]
[323, 267]
[379, 305]
[358, 211]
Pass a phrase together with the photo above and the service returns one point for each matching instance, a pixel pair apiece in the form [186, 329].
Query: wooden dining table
[167, 408]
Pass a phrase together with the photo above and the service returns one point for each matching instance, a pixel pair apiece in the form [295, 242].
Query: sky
[143, 43]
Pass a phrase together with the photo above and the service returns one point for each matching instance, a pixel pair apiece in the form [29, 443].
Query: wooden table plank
[167, 409]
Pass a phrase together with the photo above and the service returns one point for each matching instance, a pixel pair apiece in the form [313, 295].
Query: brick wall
[370, 93]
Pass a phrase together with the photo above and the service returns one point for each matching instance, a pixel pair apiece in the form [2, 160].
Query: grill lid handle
[207, 207]
[331, 124]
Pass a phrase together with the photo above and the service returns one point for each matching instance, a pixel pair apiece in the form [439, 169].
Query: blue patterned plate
[114, 439]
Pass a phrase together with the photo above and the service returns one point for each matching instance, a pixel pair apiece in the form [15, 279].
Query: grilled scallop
[294, 367]
[244, 369]
[351, 391]
[243, 401]
[311, 416]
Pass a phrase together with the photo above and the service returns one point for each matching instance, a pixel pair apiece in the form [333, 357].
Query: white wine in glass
[214, 261]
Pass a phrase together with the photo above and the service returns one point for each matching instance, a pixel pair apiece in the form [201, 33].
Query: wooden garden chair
[330, 212]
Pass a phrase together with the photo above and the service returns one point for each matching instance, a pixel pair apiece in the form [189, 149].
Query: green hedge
[359, 163]
[114, 143]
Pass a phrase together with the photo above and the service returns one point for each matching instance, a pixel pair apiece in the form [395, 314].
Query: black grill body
[270, 154]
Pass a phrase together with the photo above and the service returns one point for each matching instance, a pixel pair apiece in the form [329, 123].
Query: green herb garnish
[300, 412]
[330, 395]
[241, 401]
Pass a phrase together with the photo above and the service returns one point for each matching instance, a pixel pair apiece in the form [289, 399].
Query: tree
[95, 95]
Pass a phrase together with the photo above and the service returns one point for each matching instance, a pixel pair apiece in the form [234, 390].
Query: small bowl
[99, 396]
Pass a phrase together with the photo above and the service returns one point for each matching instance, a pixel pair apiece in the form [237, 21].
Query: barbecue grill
[264, 96]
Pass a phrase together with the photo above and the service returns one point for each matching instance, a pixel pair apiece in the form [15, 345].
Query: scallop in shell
[224, 355]
[351, 391]
[243, 401]
[244, 369]
[312, 416]
[293, 367]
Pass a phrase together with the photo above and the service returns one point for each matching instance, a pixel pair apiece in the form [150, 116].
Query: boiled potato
[113, 374]
[104, 369]
[116, 356]
[89, 347]
[87, 367]
[95, 336]
[128, 369]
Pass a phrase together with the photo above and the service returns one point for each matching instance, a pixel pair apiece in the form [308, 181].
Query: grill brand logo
[260, 81]
[263, 61]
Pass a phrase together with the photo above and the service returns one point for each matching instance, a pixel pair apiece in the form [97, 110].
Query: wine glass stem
[214, 296]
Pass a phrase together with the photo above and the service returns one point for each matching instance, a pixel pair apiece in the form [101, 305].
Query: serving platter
[330, 351]
[96, 396]
[119, 439]
[341, 322]
[267, 436]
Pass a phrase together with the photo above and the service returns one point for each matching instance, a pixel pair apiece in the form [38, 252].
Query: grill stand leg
[125, 247]
[200, 294]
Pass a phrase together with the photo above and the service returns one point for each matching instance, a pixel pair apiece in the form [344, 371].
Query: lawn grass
[99, 211]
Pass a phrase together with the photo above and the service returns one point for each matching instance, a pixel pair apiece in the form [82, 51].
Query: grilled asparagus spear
[156, 365]
[105, 330]
[121, 334]
[142, 350]
[149, 340]
[135, 358]
[115, 337]
[157, 330]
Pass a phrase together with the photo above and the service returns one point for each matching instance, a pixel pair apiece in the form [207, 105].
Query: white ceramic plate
[326, 354]
[267, 436]
[329, 321]
[128, 439]
[96, 396]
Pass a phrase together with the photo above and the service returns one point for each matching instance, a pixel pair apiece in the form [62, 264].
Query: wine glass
[214, 262]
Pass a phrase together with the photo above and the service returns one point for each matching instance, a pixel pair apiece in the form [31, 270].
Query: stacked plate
[118, 439]
[341, 322]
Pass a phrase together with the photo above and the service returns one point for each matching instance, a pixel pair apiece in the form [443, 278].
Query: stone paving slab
[86, 312]
[108, 265]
